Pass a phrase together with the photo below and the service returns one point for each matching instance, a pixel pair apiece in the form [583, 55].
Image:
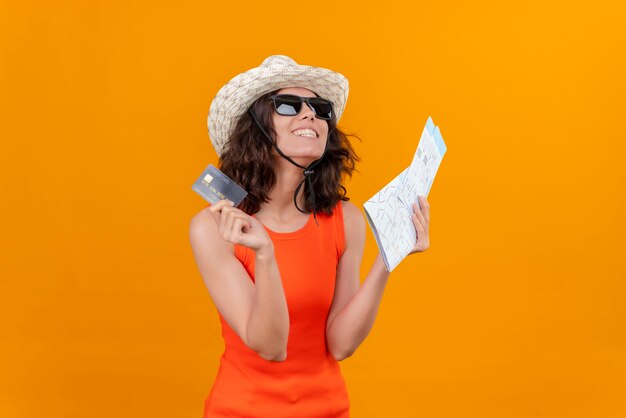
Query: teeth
[305, 132]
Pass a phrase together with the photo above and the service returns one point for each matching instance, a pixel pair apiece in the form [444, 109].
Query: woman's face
[289, 129]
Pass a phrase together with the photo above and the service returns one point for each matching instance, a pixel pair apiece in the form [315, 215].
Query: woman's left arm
[355, 306]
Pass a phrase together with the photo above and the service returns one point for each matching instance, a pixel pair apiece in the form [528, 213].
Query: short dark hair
[249, 160]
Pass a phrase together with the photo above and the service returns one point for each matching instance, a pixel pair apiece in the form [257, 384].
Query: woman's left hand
[421, 220]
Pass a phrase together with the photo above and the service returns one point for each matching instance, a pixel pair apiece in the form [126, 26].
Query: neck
[281, 205]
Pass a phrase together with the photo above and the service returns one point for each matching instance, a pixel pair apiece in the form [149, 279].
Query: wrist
[265, 253]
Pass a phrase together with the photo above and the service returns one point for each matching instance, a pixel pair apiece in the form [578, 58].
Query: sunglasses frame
[308, 102]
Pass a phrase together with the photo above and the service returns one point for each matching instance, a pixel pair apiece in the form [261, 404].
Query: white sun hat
[276, 72]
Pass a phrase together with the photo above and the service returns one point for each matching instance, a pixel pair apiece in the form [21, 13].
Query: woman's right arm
[256, 311]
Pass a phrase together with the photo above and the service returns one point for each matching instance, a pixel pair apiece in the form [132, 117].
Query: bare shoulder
[204, 232]
[352, 213]
[202, 215]
[353, 219]
[202, 222]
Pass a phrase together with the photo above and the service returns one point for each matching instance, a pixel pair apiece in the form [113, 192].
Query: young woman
[283, 268]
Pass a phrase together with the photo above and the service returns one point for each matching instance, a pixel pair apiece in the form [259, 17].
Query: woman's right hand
[238, 227]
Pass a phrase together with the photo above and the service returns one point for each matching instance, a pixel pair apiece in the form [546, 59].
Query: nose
[306, 111]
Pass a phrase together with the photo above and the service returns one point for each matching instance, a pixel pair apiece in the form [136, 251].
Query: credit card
[213, 185]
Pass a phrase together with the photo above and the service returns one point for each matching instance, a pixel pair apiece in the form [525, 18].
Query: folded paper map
[389, 211]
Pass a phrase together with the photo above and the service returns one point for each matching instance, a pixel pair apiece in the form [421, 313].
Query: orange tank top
[309, 383]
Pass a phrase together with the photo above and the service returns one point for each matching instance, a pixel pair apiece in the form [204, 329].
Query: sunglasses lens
[323, 108]
[287, 105]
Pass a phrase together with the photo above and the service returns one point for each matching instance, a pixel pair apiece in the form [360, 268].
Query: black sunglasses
[290, 105]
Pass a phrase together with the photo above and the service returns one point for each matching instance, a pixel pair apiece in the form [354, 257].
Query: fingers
[420, 228]
[232, 222]
[425, 208]
[220, 204]
[216, 209]
[236, 235]
[422, 210]
[417, 213]
[241, 227]
[422, 241]
[421, 220]
[228, 220]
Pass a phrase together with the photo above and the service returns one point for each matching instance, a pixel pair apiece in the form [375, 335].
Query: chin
[303, 158]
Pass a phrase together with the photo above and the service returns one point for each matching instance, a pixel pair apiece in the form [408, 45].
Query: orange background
[516, 310]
